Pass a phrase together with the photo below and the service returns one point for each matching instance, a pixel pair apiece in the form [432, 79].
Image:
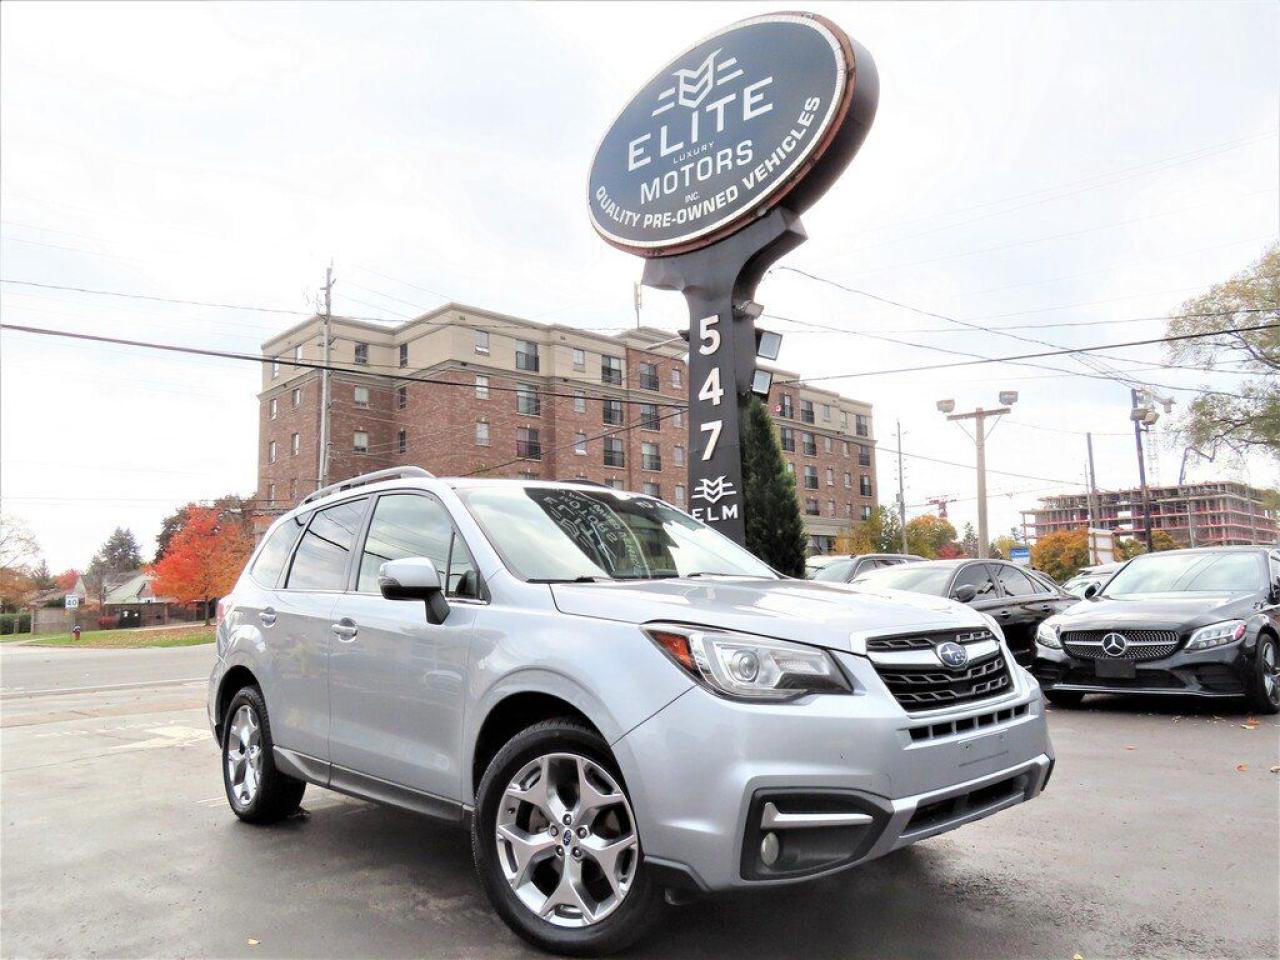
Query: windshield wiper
[582, 579]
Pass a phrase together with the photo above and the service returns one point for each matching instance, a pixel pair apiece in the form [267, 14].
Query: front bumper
[702, 771]
[1217, 672]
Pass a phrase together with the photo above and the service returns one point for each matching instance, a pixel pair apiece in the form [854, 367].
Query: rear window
[837, 572]
[274, 553]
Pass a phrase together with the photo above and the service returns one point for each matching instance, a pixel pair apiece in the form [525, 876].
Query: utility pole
[902, 498]
[1093, 483]
[322, 474]
[1139, 415]
[635, 296]
[979, 416]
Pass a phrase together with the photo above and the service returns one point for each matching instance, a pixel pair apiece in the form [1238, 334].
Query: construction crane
[941, 504]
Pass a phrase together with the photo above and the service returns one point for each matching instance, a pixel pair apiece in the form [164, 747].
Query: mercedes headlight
[744, 667]
[1216, 634]
[1047, 634]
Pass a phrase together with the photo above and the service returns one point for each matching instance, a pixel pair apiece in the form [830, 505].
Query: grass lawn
[186, 635]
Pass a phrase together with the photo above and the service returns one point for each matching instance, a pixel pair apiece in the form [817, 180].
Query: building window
[791, 468]
[297, 396]
[402, 442]
[273, 407]
[580, 444]
[831, 508]
[402, 397]
[826, 413]
[810, 477]
[528, 475]
[612, 412]
[648, 373]
[677, 454]
[866, 511]
[482, 388]
[526, 356]
[831, 477]
[614, 453]
[649, 419]
[806, 411]
[361, 396]
[650, 456]
[579, 359]
[844, 420]
[271, 452]
[679, 494]
[788, 440]
[785, 407]
[810, 444]
[677, 379]
[293, 489]
[826, 444]
[811, 507]
[862, 425]
[482, 433]
[360, 441]
[275, 367]
[611, 370]
[271, 493]
[404, 354]
[864, 485]
[527, 401]
[482, 341]
[653, 490]
[614, 482]
[579, 402]
[864, 456]
[678, 419]
[527, 444]
[848, 480]
[295, 444]
[297, 352]
[362, 353]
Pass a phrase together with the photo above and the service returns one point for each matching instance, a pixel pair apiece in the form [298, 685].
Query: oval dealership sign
[765, 111]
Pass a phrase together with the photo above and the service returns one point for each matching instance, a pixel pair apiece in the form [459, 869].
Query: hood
[822, 614]
[1169, 611]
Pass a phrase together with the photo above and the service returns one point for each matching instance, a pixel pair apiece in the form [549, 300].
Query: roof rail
[392, 473]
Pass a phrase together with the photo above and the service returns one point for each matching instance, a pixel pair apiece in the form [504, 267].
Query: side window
[979, 576]
[409, 525]
[320, 562]
[1014, 581]
[1041, 585]
[274, 553]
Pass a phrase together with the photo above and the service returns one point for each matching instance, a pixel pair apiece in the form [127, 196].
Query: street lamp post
[1144, 415]
[1007, 398]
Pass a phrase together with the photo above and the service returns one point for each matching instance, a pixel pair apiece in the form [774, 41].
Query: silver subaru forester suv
[623, 705]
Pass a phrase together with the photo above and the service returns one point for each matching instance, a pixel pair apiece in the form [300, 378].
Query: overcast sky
[1030, 164]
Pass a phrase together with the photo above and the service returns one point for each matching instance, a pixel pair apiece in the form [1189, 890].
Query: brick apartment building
[526, 399]
[1219, 513]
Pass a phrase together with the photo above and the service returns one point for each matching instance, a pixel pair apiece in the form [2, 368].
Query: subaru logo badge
[952, 654]
[1115, 644]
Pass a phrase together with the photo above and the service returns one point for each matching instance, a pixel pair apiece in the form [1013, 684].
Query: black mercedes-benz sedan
[1200, 622]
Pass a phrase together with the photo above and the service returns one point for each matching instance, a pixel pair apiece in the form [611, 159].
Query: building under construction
[1219, 513]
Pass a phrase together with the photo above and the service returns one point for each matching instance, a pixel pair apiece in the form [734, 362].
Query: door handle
[267, 616]
[1004, 613]
[346, 629]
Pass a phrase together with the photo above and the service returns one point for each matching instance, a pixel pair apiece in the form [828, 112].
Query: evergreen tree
[969, 542]
[115, 558]
[775, 529]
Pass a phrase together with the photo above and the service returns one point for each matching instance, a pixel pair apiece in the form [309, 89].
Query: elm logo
[713, 491]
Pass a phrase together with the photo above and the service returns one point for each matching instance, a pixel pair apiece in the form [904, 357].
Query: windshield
[837, 572]
[560, 534]
[916, 577]
[1188, 573]
[1076, 585]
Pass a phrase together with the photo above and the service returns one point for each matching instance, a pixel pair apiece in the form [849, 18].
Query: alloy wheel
[1270, 672]
[244, 755]
[567, 840]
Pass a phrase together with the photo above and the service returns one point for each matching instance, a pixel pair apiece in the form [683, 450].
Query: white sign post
[72, 601]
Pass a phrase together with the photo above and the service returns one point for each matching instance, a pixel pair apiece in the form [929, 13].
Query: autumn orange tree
[204, 558]
[1061, 553]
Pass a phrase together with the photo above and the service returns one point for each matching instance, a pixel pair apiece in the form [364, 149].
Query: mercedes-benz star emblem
[1115, 644]
[952, 654]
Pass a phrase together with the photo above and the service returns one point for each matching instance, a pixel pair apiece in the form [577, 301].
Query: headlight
[1216, 634]
[1047, 635]
[749, 668]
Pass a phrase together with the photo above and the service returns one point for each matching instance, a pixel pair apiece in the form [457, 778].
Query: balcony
[615, 458]
[526, 361]
[810, 448]
[647, 381]
[864, 458]
[612, 416]
[651, 461]
[788, 443]
[806, 414]
[529, 449]
[611, 375]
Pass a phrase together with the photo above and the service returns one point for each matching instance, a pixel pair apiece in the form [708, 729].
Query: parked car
[846, 569]
[1089, 580]
[617, 699]
[1202, 622]
[1019, 599]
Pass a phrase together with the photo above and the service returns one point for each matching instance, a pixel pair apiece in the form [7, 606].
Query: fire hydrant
[75, 631]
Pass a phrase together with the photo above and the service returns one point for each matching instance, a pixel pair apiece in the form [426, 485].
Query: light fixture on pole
[1007, 398]
[1143, 413]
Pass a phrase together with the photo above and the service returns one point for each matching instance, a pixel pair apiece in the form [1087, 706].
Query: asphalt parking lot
[1158, 837]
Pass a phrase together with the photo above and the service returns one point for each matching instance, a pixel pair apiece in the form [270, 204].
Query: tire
[530, 896]
[1068, 699]
[256, 790]
[1264, 684]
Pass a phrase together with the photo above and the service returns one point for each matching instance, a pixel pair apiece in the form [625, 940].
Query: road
[116, 841]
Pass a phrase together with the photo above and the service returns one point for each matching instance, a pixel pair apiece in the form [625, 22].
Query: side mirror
[964, 593]
[414, 578]
[1091, 591]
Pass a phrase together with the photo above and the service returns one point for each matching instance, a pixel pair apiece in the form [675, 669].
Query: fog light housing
[769, 849]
